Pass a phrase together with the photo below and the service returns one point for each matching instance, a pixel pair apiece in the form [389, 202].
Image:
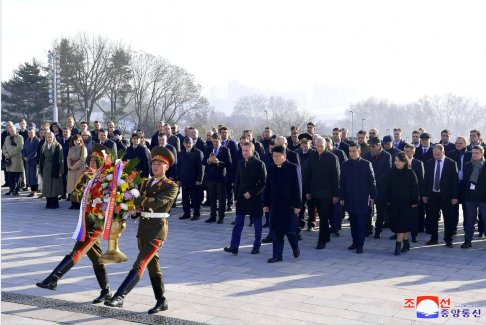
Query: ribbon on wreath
[110, 211]
[80, 232]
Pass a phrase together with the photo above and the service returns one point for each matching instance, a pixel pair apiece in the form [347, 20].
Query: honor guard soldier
[91, 246]
[157, 195]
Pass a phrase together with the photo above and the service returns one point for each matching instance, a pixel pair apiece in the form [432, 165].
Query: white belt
[155, 215]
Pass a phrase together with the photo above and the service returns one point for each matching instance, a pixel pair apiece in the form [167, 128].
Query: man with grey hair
[441, 194]
[461, 156]
[322, 187]
[475, 193]
[291, 155]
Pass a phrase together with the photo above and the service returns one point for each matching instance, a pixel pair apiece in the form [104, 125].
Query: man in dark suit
[338, 143]
[358, 193]
[424, 150]
[172, 139]
[110, 144]
[382, 163]
[258, 146]
[322, 187]
[337, 217]
[304, 153]
[217, 161]
[445, 137]
[461, 156]
[441, 194]
[65, 140]
[229, 143]
[190, 173]
[293, 139]
[416, 138]
[283, 199]
[140, 152]
[249, 186]
[267, 136]
[175, 131]
[291, 155]
[155, 201]
[199, 143]
[474, 187]
[475, 139]
[344, 136]
[418, 168]
[155, 137]
[387, 144]
[172, 171]
[94, 132]
[397, 140]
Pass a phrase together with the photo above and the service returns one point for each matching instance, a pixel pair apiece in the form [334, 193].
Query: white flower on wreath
[135, 192]
[124, 206]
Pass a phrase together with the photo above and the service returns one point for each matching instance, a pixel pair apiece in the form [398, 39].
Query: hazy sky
[325, 54]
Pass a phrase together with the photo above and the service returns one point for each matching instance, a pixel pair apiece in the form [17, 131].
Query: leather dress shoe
[255, 250]
[449, 244]
[274, 260]
[161, 305]
[352, 247]
[336, 233]
[359, 250]
[310, 228]
[220, 221]
[116, 301]
[195, 218]
[321, 245]
[229, 209]
[267, 240]
[233, 223]
[231, 250]
[466, 244]
[185, 216]
[377, 235]
[210, 220]
[431, 242]
[296, 252]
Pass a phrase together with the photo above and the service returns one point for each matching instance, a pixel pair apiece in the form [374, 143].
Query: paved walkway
[206, 285]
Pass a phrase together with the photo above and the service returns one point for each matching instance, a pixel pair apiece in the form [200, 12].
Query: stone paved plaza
[206, 285]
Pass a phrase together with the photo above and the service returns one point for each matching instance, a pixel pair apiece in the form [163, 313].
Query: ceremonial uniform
[90, 246]
[157, 196]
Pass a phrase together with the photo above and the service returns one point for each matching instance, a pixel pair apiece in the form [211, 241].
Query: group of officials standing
[275, 180]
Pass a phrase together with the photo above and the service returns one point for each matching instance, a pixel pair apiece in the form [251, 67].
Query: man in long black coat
[249, 185]
[283, 199]
[461, 156]
[382, 163]
[190, 173]
[336, 220]
[424, 150]
[304, 152]
[322, 187]
[441, 194]
[136, 150]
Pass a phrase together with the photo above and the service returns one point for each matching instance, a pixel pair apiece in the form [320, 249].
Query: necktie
[437, 177]
[425, 150]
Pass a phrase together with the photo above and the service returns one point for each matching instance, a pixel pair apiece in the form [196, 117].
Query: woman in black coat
[402, 197]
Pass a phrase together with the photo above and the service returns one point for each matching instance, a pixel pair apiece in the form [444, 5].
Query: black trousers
[230, 187]
[278, 242]
[217, 199]
[380, 216]
[13, 181]
[435, 206]
[311, 221]
[324, 208]
[191, 196]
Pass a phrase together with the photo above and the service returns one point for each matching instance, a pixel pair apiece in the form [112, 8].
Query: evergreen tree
[26, 94]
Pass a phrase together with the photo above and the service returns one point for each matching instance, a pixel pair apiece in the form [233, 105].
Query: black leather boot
[398, 246]
[51, 281]
[158, 287]
[128, 284]
[406, 246]
[102, 278]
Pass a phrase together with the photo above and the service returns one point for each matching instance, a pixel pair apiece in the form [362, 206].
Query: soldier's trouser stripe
[149, 257]
[86, 246]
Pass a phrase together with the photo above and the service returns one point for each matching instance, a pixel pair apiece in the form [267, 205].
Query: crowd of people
[275, 180]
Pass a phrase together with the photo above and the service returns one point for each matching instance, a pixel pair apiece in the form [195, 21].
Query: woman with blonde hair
[76, 164]
[51, 168]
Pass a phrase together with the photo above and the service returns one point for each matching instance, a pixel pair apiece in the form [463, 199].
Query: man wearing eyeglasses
[381, 163]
